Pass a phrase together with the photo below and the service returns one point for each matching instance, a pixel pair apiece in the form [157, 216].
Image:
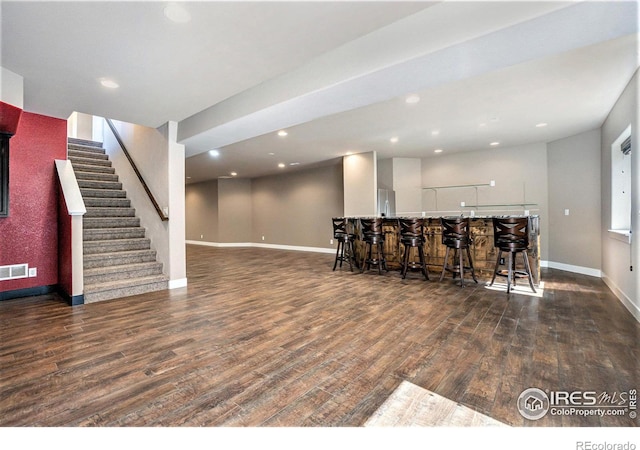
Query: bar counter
[483, 252]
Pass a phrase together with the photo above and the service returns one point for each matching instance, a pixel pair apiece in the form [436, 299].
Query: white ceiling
[333, 74]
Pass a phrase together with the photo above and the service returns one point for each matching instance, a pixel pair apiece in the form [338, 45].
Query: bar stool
[373, 237]
[511, 234]
[345, 250]
[412, 236]
[455, 235]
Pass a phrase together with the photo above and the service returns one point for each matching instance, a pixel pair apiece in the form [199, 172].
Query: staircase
[118, 259]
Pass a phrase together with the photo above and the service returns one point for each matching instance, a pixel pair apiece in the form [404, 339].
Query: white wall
[80, 125]
[360, 178]
[11, 88]
[177, 209]
[160, 160]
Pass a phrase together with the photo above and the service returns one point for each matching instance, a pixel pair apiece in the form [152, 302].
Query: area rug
[412, 406]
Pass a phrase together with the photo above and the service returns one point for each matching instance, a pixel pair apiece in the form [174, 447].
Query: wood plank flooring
[275, 338]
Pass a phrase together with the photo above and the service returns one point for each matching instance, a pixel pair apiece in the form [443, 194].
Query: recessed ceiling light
[435, 132]
[495, 143]
[188, 178]
[281, 165]
[233, 174]
[108, 83]
[438, 150]
[282, 133]
[541, 125]
[177, 13]
[394, 139]
[271, 154]
[412, 99]
[482, 124]
[214, 153]
[294, 163]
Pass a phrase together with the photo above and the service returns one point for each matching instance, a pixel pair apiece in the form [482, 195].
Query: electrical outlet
[202, 236]
[502, 261]
[33, 271]
[331, 241]
[263, 238]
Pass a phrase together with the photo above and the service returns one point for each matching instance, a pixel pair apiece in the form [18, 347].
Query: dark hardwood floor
[266, 337]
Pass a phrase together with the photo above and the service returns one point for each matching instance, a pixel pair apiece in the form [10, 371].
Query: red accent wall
[9, 118]
[30, 233]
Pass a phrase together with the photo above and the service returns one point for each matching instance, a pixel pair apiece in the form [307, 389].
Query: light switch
[566, 212]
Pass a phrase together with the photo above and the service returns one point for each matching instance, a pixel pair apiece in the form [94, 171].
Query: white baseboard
[175, 284]
[624, 299]
[257, 245]
[571, 268]
[297, 248]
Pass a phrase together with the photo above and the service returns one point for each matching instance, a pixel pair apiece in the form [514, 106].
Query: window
[4, 175]
[621, 183]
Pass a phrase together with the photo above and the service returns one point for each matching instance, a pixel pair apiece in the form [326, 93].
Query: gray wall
[520, 174]
[234, 210]
[574, 184]
[385, 174]
[296, 208]
[617, 256]
[292, 209]
[202, 211]
[407, 184]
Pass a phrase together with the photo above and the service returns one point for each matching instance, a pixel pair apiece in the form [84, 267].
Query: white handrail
[70, 188]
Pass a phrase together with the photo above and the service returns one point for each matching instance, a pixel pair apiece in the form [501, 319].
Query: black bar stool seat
[455, 235]
[345, 250]
[412, 236]
[373, 237]
[511, 235]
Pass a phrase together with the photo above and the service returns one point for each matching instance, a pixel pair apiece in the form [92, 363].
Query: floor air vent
[14, 271]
